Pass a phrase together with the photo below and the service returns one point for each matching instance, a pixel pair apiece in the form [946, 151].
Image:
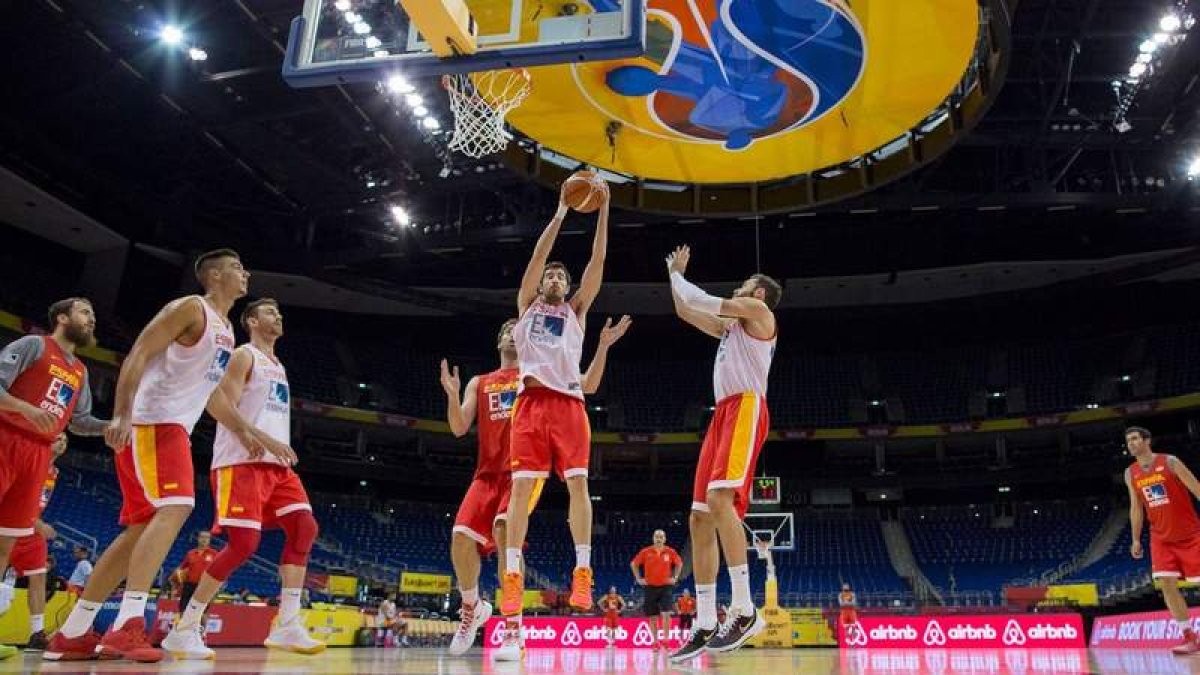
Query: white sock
[81, 618]
[512, 560]
[289, 605]
[739, 578]
[133, 606]
[470, 596]
[583, 555]
[192, 614]
[1183, 624]
[706, 606]
[37, 623]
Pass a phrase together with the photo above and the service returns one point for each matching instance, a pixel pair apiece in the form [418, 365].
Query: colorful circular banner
[737, 91]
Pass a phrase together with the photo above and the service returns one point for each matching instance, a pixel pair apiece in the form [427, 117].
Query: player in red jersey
[550, 426]
[43, 390]
[612, 604]
[660, 566]
[1161, 488]
[848, 604]
[30, 557]
[167, 381]
[745, 325]
[488, 401]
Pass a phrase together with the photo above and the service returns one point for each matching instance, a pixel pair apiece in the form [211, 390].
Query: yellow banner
[334, 627]
[417, 582]
[1084, 595]
[342, 585]
[811, 629]
[530, 600]
[14, 624]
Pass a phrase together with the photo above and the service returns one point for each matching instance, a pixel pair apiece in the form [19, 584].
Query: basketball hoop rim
[447, 80]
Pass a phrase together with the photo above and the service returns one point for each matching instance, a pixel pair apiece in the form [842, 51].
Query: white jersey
[266, 405]
[550, 346]
[177, 383]
[742, 364]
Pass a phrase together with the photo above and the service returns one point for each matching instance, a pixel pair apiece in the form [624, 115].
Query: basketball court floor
[747, 662]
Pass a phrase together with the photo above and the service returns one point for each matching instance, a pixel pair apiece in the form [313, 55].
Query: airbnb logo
[643, 637]
[571, 636]
[1050, 632]
[855, 635]
[934, 635]
[497, 636]
[969, 632]
[1013, 635]
[890, 632]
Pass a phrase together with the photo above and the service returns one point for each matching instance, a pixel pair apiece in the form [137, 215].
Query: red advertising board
[1030, 631]
[228, 625]
[555, 632]
[1144, 630]
[975, 661]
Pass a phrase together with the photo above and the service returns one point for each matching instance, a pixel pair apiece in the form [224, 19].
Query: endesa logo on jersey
[584, 633]
[917, 632]
[1144, 630]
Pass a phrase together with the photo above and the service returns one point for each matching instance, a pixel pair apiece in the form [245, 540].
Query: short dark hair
[772, 291]
[556, 265]
[206, 260]
[252, 309]
[61, 307]
[511, 323]
[1140, 431]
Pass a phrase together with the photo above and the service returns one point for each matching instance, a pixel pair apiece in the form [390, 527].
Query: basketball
[582, 191]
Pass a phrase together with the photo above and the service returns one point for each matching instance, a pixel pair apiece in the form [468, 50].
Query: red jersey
[686, 605]
[196, 563]
[1166, 499]
[611, 603]
[495, 394]
[53, 383]
[656, 565]
[48, 487]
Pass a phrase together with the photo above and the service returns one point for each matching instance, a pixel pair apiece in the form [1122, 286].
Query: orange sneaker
[512, 593]
[581, 589]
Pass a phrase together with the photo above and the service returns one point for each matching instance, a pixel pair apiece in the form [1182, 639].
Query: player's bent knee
[242, 543]
[300, 531]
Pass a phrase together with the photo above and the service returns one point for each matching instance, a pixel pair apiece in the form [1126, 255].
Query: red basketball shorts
[549, 430]
[155, 470]
[255, 495]
[1179, 559]
[485, 504]
[28, 556]
[24, 461]
[735, 436]
[848, 615]
[612, 619]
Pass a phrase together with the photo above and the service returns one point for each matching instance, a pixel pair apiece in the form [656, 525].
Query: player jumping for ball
[746, 326]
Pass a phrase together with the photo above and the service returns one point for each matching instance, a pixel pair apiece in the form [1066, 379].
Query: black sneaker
[37, 642]
[695, 646]
[736, 631]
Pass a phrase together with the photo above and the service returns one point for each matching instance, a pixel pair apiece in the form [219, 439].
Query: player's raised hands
[450, 380]
[678, 259]
[611, 333]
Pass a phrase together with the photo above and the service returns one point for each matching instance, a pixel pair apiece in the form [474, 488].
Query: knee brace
[243, 542]
[300, 531]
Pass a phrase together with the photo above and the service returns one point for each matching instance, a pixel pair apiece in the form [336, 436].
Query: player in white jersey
[549, 424]
[167, 380]
[746, 326]
[253, 490]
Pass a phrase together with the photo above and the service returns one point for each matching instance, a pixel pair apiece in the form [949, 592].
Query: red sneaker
[129, 643]
[63, 648]
[1190, 644]
[581, 589]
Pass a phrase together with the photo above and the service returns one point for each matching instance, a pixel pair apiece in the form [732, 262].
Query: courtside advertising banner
[1144, 630]
[555, 632]
[1028, 631]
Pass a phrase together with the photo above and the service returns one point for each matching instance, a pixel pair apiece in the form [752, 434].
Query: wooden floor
[748, 662]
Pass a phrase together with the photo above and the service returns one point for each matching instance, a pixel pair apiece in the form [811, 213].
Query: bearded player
[44, 389]
[549, 424]
[488, 401]
[1161, 488]
[745, 325]
[253, 490]
[168, 379]
[612, 604]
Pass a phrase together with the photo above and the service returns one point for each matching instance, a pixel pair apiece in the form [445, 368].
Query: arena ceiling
[184, 154]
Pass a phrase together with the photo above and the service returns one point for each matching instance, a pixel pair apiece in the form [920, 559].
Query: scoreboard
[765, 490]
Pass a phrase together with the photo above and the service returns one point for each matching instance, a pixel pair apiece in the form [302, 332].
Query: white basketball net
[480, 102]
[763, 547]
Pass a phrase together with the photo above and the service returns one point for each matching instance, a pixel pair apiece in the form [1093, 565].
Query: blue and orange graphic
[733, 91]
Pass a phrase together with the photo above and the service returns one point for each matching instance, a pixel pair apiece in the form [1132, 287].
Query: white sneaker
[293, 637]
[510, 649]
[186, 644]
[6, 598]
[473, 619]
